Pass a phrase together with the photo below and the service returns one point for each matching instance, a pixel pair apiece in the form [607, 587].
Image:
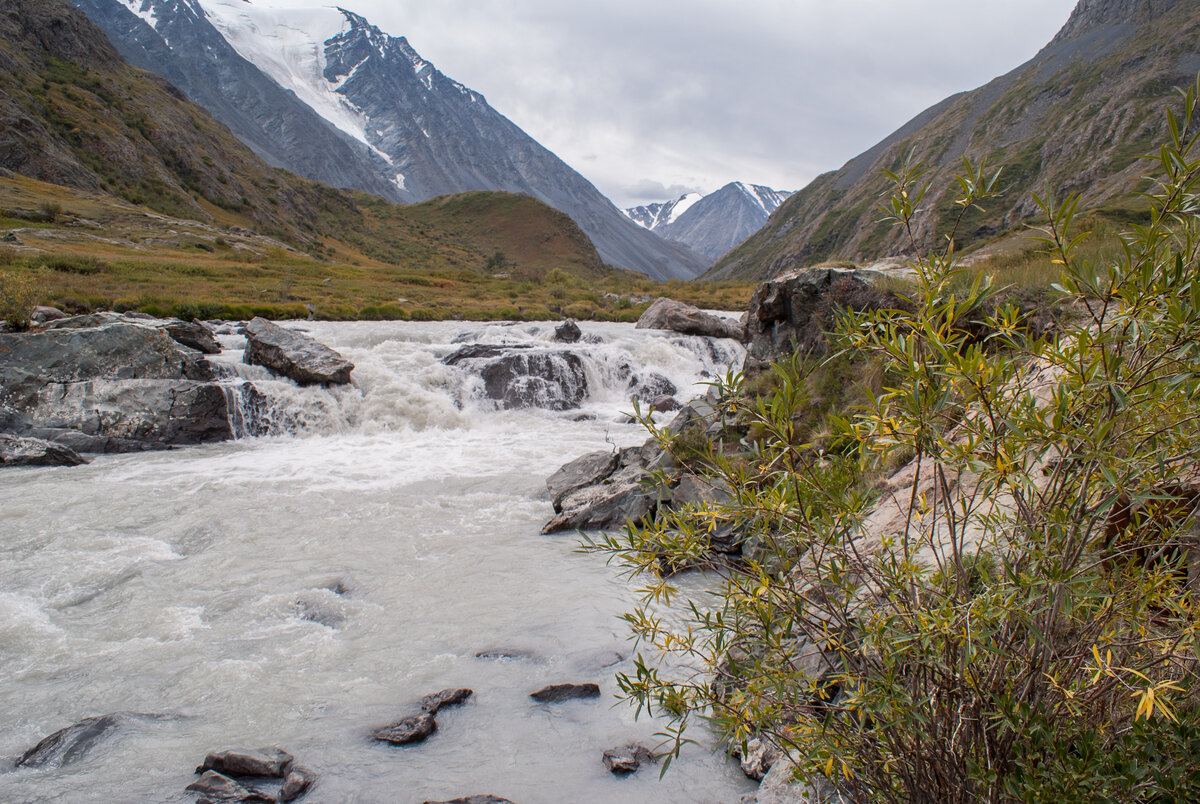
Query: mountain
[651, 216]
[711, 224]
[1075, 118]
[327, 95]
[74, 114]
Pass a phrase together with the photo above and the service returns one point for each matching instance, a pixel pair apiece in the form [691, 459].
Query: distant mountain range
[325, 94]
[1075, 118]
[711, 224]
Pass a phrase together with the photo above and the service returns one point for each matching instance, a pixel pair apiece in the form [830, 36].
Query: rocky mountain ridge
[1075, 118]
[330, 96]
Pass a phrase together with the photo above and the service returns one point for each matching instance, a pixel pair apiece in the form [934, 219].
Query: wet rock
[474, 800]
[650, 386]
[685, 319]
[74, 742]
[297, 782]
[664, 404]
[627, 758]
[193, 334]
[414, 729]
[323, 608]
[567, 332]
[218, 787]
[506, 655]
[268, 762]
[618, 499]
[556, 693]
[586, 470]
[294, 355]
[435, 702]
[17, 451]
[524, 377]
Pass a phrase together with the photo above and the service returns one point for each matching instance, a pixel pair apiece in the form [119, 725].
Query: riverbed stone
[270, 762]
[294, 355]
[585, 470]
[219, 787]
[627, 758]
[193, 334]
[413, 729]
[507, 655]
[450, 697]
[72, 743]
[686, 319]
[520, 376]
[474, 800]
[297, 782]
[17, 451]
[567, 332]
[556, 693]
[608, 505]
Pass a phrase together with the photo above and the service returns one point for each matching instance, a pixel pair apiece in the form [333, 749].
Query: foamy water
[201, 583]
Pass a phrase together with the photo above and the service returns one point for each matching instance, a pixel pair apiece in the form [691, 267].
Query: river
[302, 588]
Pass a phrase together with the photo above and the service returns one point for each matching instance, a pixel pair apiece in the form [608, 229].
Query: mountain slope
[1074, 118]
[652, 216]
[723, 219]
[416, 132]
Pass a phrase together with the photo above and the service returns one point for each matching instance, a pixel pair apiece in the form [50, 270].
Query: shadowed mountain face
[1075, 118]
[326, 94]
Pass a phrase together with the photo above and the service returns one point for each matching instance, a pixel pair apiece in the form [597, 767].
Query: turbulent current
[302, 588]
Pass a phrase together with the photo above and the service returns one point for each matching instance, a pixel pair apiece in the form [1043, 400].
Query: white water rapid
[303, 588]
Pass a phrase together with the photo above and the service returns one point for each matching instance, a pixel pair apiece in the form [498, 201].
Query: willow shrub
[1027, 632]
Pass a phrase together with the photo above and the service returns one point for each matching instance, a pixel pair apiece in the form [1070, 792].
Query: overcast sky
[653, 98]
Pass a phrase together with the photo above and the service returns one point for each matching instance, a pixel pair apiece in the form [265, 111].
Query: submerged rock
[414, 729]
[506, 655]
[297, 782]
[556, 693]
[627, 758]
[74, 742]
[474, 800]
[685, 319]
[220, 787]
[567, 332]
[294, 355]
[17, 451]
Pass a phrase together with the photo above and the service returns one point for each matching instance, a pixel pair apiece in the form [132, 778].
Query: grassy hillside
[1074, 119]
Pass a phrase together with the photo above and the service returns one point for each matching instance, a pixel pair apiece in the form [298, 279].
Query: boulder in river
[451, 697]
[269, 762]
[686, 319]
[17, 451]
[219, 787]
[298, 780]
[413, 729]
[556, 693]
[74, 742]
[474, 800]
[589, 495]
[567, 332]
[294, 355]
[193, 334]
[524, 377]
[627, 758]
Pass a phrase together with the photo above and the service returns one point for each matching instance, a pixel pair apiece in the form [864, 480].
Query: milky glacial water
[204, 583]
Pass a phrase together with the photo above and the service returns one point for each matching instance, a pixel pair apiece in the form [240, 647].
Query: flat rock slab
[219, 787]
[72, 743]
[294, 355]
[17, 451]
[584, 471]
[685, 319]
[434, 703]
[627, 758]
[270, 762]
[413, 729]
[556, 693]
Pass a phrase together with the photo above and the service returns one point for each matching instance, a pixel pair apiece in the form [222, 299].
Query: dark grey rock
[193, 334]
[218, 787]
[586, 470]
[74, 742]
[650, 386]
[695, 490]
[567, 332]
[627, 758]
[297, 782]
[556, 693]
[618, 499]
[451, 697]
[17, 451]
[522, 377]
[506, 655]
[414, 729]
[294, 355]
[268, 762]
[686, 319]
[664, 404]
[474, 800]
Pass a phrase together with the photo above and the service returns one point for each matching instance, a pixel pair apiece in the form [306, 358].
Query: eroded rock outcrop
[525, 377]
[17, 451]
